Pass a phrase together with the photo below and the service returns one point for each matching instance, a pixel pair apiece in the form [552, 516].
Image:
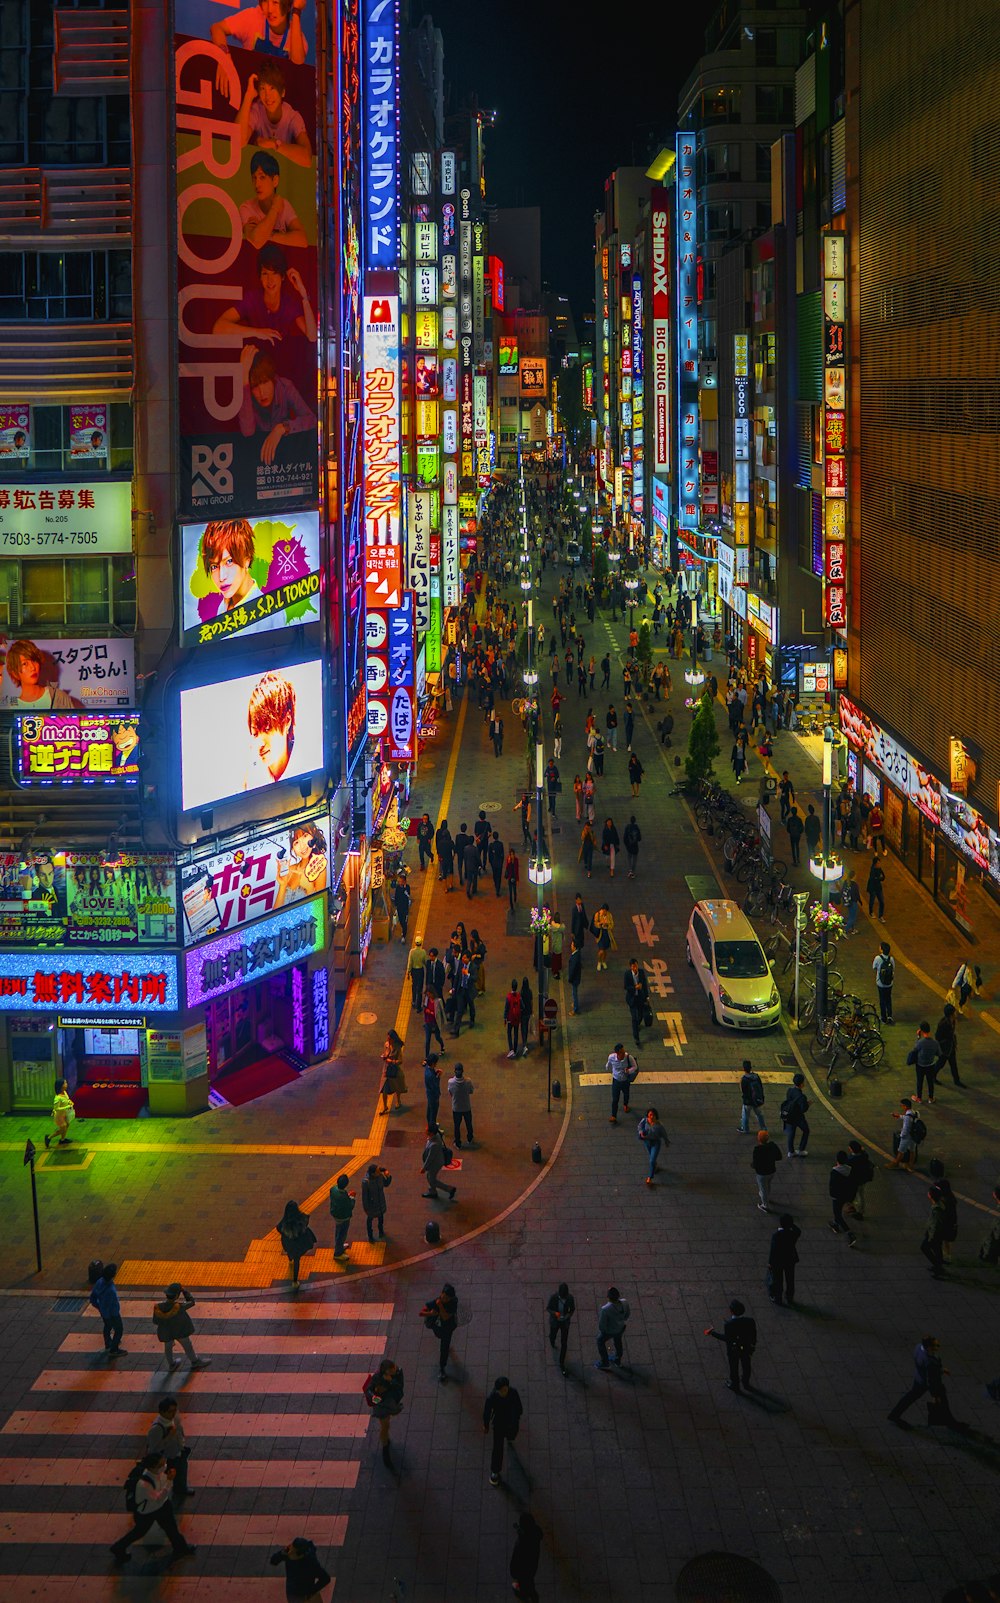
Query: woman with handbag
[172, 1322]
[603, 927]
[384, 1395]
[297, 1237]
[393, 1078]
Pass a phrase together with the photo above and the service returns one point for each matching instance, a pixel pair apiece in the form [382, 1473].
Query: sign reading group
[242, 576]
[246, 255]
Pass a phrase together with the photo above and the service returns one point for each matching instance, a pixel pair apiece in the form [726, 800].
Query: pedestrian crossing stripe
[170, 1588]
[106, 1422]
[230, 1474]
[229, 1530]
[372, 1344]
[225, 1382]
[685, 1077]
[299, 1311]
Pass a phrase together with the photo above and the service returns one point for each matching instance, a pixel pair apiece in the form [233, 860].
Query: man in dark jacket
[305, 1576]
[481, 832]
[927, 1378]
[739, 1332]
[104, 1298]
[793, 1116]
[631, 838]
[560, 1308]
[471, 864]
[461, 842]
[925, 1058]
[496, 734]
[782, 1258]
[425, 841]
[764, 1160]
[752, 1096]
[946, 1037]
[794, 826]
[841, 1191]
[579, 923]
[496, 856]
[503, 1412]
[574, 971]
[636, 996]
[446, 855]
[435, 972]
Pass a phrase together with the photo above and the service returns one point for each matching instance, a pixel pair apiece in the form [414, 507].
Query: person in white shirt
[623, 1069]
[152, 1507]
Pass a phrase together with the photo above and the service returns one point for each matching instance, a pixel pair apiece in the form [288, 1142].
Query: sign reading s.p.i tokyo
[249, 954]
[380, 56]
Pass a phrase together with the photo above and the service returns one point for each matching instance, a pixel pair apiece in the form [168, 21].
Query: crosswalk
[285, 1380]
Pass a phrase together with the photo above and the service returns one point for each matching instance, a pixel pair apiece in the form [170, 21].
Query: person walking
[786, 794]
[373, 1189]
[393, 1078]
[464, 994]
[560, 1308]
[586, 852]
[481, 835]
[738, 759]
[63, 1114]
[512, 874]
[104, 1297]
[851, 899]
[752, 1097]
[884, 968]
[862, 1173]
[460, 1090]
[445, 844]
[433, 1160]
[502, 1414]
[611, 1322]
[906, 1140]
[305, 1576]
[579, 922]
[795, 827]
[925, 1058]
[512, 1017]
[471, 864]
[813, 831]
[552, 784]
[611, 728]
[635, 773]
[495, 857]
[574, 971]
[876, 895]
[342, 1203]
[432, 1090]
[441, 1319]
[610, 843]
[416, 967]
[946, 1036]
[932, 1245]
[434, 1020]
[841, 1190]
[783, 1255]
[928, 1380]
[402, 899]
[147, 1499]
[604, 928]
[383, 1393]
[166, 1435]
[297, 1238]
[631, 839]
[462, 842]
[629, 715]
[425, 841]
[173, 1323]
[496, 733]
[589, 793]
[552, 944]
[739, 1332]
[524, 1559]
[965, 982]
[624, 1071]
[606, 671]
[637, 998]
[876, 825]
[793, 1117]
[764, 1160]
[653, 1136]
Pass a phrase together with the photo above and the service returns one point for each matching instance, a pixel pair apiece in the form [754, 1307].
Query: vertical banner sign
[465, 343]
[450, 566]
[247, 334]
[835, 431]
[625, 376]
[741, 438]
[418, 554]
[638, 397]
[383, 553]
[380, 54]
[390, 678]
[687, 334]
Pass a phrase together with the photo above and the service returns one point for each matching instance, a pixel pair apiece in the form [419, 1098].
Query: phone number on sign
[55, 537]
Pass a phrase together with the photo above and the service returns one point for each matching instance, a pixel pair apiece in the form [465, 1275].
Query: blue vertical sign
[687, 334]
[380, 54]
[400, 642]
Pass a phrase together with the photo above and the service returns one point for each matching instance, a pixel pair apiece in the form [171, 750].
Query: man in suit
[739, 1332]
[927, 1378]
[496, 734]
[462, 840]
[637, 996]
[579, 923]
[435, 971]
[560, 1308]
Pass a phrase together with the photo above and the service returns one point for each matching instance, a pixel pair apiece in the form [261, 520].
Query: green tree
[703, 743]
[600, 565]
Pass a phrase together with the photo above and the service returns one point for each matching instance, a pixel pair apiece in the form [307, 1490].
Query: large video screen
[242, 576]
[242, 735]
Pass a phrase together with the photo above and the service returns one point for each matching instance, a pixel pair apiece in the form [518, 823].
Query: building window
[720, 105]
[42, 128]
[775, 104]
[50, 445]
[72, 593]
[767, 47]
[66, 286]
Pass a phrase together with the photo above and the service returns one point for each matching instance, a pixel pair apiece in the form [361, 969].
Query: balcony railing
[70, 206]
[91, 52]
[65, 361]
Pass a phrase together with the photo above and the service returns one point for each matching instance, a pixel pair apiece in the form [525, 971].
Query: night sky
[575, 100]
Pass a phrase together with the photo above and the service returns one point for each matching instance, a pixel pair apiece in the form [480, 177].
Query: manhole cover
[785, 1060]
[725, 1578]
[367, 1018]
[491, 807]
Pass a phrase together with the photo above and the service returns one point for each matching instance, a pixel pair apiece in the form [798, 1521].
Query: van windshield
[740, 960]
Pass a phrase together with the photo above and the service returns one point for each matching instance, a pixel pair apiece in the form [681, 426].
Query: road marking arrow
[676, 1039]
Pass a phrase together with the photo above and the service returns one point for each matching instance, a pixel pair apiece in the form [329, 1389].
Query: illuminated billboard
[41, 675]
[74, 748]
[245, 140]
[534, 377]
[241, 576]
[688, 486]
[278, 868]
[237, 958]
[508, 353]
[66, 520]
[73, 899]
[49, 982]
[245, 734]
[380, 446]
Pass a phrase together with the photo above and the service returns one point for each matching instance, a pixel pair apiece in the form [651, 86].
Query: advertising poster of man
[88, 433]
[15, 433]
[246, 91]
[249, 733]
[242, 576]
[275, 870]
[36, 675]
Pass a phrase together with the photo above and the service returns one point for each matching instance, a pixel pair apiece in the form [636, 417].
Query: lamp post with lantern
[828, 868]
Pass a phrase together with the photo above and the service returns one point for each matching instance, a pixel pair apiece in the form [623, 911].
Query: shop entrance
[251, 1036]
[103, 1065]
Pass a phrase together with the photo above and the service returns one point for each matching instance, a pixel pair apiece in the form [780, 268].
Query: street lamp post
[828, 868]
[694, 675]
[632, 586]
[540, 865]
[614, 559]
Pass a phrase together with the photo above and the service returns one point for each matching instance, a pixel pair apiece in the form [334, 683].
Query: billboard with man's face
[241, 576]
[246, 734]
[245, 124]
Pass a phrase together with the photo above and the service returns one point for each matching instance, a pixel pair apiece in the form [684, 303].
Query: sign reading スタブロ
[243, 576]
[63, 675]
[72, 748]
[245, 138]
[46, 520]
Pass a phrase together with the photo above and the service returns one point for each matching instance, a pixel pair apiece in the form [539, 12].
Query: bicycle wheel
[869, 1049]
[703, 816]
[807, 1010]
[754, 901]
[778, 868]
[823, 1046]
[773, 945]
[748, 868]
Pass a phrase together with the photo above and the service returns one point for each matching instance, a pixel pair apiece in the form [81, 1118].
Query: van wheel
[687, 949]
[711, 1010]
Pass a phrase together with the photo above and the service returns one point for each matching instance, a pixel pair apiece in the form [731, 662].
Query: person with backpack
[739, 1332]
[147, 1499]
[502, 1412]
[841, 1189]
[435, 1157]
[863, 1173]
[172, 1322]
[884, 968]
[104, 1297]
[166, 1436]
[912, 1130]
[383, 1392]
[925, 1058]
[512, 1017]
[752, 1094]
[653, 1136]
[305, 1576]
[793, 1117]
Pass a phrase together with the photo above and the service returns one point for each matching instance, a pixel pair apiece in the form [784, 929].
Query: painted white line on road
[687, 1077]
[676, 1037]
